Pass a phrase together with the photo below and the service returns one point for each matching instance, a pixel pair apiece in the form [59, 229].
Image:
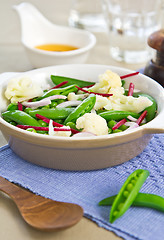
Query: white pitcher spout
[32, 21]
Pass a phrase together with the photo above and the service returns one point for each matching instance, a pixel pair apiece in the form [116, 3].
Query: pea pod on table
[20, 117]
[128, 193]
[85, 107]
[141, 200]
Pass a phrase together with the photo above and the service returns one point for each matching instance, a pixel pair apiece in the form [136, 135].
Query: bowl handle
[156, 125]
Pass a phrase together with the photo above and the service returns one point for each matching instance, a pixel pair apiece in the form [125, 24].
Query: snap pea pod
[128, 193]
[80, 83]
[85, 107]
[141, 200]
[59, 91]
[52, 113]
[117, 115]
[20, 117]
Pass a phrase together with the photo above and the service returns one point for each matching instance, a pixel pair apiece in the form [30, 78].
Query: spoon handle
[11, 189]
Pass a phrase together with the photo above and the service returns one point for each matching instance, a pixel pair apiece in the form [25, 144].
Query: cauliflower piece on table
[91, 122]
[19, 90]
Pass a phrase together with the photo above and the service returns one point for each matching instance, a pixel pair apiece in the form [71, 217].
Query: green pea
[72, 125]
[42, 123]
[111, 123]
[27, 109]
[109, 130]
[129, 187]
[117, 131]
[12, 106]
[53, 104]
[45, 107]
[123, 127]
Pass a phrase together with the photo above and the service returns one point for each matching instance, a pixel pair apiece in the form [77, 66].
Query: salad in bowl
[80, 116]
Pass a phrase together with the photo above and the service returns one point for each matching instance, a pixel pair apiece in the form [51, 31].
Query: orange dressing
[56, 47]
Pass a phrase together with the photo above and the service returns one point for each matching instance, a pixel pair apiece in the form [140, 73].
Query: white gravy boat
[37, 30]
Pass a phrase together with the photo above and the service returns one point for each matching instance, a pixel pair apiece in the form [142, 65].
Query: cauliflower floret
[58, 133]
[74, 97]
[91, 122]
[102, 102]
[22, 89]
[129, 103]
[106, 81]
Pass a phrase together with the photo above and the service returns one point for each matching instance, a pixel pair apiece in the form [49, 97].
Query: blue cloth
[87, 188]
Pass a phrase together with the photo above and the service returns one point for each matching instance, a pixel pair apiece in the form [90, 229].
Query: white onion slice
[37, 104]
[42, 102]
[84, 134]
[56, 97]
[132, 118]
[68, 104]
[132, 125]
[51, 128]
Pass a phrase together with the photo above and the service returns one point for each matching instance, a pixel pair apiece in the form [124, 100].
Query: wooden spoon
[42, 213]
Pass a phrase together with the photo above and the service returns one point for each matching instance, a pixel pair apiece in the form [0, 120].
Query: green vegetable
[12, 106]
[31, 130]
[85, 107]
[128, 193]
[20, 117]
[59, 91]
[59, 79]
[141, 200]
[52, 113]
[80, 83]
[117, 115]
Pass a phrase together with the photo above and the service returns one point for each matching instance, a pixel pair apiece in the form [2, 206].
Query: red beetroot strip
[119, 124]
[20, 106]
[141, 118]
[55, 124]
[129, 75]
[42, 128]
[101, 94]
[131, 89]
[60, 84]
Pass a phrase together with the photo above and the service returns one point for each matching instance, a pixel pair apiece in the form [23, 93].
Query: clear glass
[87, 14]
[130, 22]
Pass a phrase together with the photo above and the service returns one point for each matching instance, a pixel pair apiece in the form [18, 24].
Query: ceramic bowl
[87, 153]
[38, 30]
